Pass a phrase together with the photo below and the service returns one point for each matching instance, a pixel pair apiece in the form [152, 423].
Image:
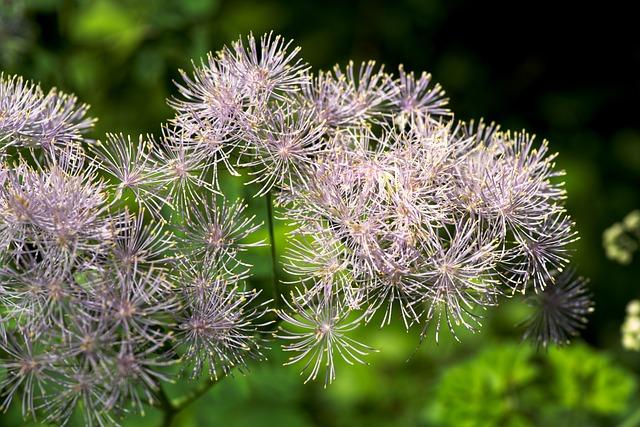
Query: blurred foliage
[547, 69]
[510, 385]
[621, 240]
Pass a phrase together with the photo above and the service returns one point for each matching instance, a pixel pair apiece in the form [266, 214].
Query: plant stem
[194, 395]
[274, 258]
[169, 410]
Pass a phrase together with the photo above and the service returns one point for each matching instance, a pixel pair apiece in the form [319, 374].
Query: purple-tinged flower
[133, 167]
[28, 371]
[218, 326]
[268, 69]
[317, 263]
[138, 247]
[79, 388]
[540, 251]
[419, 96]
[316, 333]
[368, 88]
[135, 373]
[560, 310]
[460, 272]
[134, 305]
[59, 212]
[218, 232]
[39, 296]
[18, 100]
[331, 99]
[213, 95]
[90, 338]
[282, 145]
[507, 181]
[185, 166]
[29, 118]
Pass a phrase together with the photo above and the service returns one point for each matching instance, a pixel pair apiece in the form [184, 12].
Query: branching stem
[274, 259]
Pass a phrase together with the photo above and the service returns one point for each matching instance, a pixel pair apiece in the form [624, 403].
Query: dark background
[567, 72]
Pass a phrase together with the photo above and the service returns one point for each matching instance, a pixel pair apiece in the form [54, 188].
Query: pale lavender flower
[418, 96]
[368, 88]
[132, 166]
[138, 247]
[560, 310]
[268, 69]
[540, 251]
[18, 99]
[135, 374]
[29, 118]
[58, 211]
[283, 144]
[218, 232]
[460, 271]
[185, 166]
[319, 332]
[218, 326]
[78, 388]
[28, 370]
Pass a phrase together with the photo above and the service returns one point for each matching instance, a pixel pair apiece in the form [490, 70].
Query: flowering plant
[121, 257]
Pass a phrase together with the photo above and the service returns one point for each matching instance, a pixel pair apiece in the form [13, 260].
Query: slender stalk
[167, 407]
[274, 258]
[194, 394]
[171, 408]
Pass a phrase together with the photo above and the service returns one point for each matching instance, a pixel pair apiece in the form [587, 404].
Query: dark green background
[570, 74]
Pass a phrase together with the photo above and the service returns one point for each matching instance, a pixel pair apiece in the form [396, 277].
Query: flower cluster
[123, 256]
[394, 204]
[99, 292]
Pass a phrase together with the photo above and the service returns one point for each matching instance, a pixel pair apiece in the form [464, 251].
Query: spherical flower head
[133, 167]
[417, 96]
[218, 230]
[60, 210]
[218, 326]
[316, 333]
[283, 145]
[560, 311]
[29, 118]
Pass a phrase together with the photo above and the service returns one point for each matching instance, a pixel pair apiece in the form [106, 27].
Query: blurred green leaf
[110, 24]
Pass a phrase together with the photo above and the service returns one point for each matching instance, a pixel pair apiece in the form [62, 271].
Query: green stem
[194, 395]
[171, 408]
[168, 409]
[274, 259]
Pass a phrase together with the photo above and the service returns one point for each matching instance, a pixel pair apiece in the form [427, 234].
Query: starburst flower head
[418, 96]
[282, 147]
[560, 311]
[218, 232]
[29, 118]
[267, 67]
[317, 333]
[219, 328]
[132, 166]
